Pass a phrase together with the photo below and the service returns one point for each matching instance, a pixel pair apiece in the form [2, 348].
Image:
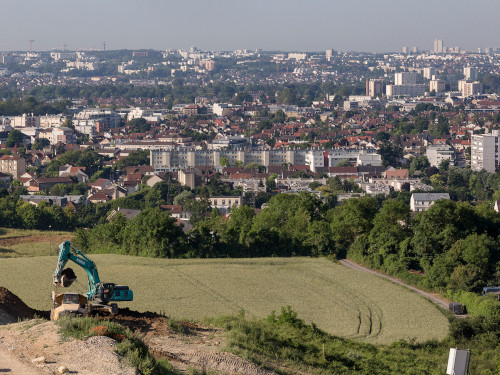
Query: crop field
[21, 242]
[340, 301]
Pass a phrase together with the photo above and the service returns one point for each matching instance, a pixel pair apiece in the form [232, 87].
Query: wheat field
[338, 300]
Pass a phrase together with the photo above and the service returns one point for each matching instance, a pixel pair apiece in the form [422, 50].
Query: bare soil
[197, 347]
[9, 241]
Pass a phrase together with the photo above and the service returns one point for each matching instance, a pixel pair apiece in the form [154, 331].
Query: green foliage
[139, 125]
[18, 214]
[88, 158]
[418, 166]
[15, 138]
[135, 158]
[391, 153]
[286, 343]
[40, 143]
[477, 305]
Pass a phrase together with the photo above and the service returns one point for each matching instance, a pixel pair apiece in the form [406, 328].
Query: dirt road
[12, 366]
[439, 301]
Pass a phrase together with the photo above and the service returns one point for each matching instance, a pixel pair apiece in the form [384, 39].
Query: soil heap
[13, 309]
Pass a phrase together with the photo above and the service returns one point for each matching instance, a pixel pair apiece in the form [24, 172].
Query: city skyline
[362, 25]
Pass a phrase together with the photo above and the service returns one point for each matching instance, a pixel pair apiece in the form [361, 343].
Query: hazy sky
[302, 25]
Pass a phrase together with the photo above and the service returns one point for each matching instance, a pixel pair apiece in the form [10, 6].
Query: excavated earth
[26, 334]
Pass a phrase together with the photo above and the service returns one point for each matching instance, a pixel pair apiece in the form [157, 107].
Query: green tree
[40, 143]
[139, 125]
[224, 162]
[390, 228]
[418, 166]
[14, 138]
[350, 220]
[391, 153]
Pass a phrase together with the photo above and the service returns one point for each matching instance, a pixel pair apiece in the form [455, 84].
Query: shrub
[477, 305]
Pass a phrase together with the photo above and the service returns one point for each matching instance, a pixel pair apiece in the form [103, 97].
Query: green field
[22, 242]
[339, 300]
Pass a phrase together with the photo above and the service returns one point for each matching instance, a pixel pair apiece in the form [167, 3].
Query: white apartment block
[103, 119]
[437, 85]
[62, 55]
[405, 78]
[25, 121]
[52, 121]
[468, 88]
[374, 87]
[437, 153]
[484, 152]
[369, 159]
[404, 90]
[429, 72]
[438, 46]
[354, 156]
[297, 56]
[470, 73]
[224, 203]
[64, 135]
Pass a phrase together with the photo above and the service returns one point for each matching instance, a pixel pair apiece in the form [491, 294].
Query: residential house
[98, 197]
[50, 199]
[224, 203]
[14, 165]
[422, 201]
[153, 180]
[37, 184]
[396, 174]
[99, 184]
[77, 172]
[128, 213]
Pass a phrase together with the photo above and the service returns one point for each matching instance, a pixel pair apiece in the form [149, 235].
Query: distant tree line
[451, 246]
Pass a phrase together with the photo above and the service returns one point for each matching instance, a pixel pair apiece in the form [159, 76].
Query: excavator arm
[98, 291]
[68, 252]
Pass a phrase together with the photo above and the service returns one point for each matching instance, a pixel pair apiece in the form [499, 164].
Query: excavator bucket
[66, 279]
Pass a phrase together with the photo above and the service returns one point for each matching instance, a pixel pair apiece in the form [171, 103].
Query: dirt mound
[147, 323]
[14, 308]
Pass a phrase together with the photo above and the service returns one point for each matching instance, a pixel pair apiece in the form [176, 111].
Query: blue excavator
[99, 294]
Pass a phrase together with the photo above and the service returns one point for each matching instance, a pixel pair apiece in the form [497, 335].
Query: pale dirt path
[439, 301]
[12, 366]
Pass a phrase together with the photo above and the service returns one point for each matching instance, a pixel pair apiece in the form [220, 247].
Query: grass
[15, 243]
[340, 301]
[286, 344]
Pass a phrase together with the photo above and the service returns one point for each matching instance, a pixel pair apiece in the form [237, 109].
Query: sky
[286, 25]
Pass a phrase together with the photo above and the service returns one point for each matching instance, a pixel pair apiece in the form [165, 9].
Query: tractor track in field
[369, 314]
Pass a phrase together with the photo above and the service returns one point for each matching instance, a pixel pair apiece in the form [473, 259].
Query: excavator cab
[106, 292]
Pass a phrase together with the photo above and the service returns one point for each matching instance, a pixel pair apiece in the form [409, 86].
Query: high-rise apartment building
[374, 87]
[437, 85]
[405, 84]
[470, 73]
[329, 54]
[405, 78]
[484, 151]
[429, 72]
[469, 88]
[438, 46]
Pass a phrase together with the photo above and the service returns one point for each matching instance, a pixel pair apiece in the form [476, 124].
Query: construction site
[30, 342]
